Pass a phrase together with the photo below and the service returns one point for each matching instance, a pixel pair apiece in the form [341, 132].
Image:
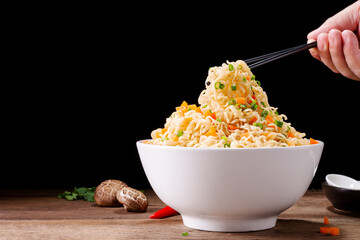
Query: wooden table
[39, 214]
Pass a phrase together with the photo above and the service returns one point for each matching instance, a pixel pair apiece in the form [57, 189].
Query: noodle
[234, 112]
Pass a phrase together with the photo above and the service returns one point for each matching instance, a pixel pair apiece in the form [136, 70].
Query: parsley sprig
[79, 193]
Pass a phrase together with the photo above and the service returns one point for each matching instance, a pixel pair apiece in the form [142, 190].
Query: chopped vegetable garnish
[313, 141]
[185, 234]
[233, 87]
[244, 79]
[326, 220]
[258, 82]
[226, 145]
[241, 106]
[219, 85]
[253, 105]
[258, 125]
[232, 101]
[264, 113]
[278, 123]
[330, 230]
[253, 77]
[180, 133]
[231, 67]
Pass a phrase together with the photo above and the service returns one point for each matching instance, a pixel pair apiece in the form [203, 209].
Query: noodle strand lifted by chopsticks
[233, 112]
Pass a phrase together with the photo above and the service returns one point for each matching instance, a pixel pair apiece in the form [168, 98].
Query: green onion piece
[224, 138]
[227, 145]
[231, 67]
[278, 123]
[252, 77]
[288, 128]
[258, 125]
[240, 66]
[244, 79]
[253, 105]
[219, 85]
[262, 103]
[185, 234]
[180, 133]
[240, 106]
[264, 113]
[276, 112]
[204, 106]
[258, 82]
[233, 87]
[232, 101]
[218, 119]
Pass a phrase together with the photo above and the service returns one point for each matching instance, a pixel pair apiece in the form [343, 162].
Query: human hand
[338, 42]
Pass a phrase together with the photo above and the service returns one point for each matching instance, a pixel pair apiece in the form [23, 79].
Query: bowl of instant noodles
[232, 163]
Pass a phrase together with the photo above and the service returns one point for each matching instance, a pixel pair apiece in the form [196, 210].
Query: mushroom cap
[132, 199]
[105, 193]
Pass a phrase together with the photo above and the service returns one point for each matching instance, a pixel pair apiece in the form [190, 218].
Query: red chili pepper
[165, 212]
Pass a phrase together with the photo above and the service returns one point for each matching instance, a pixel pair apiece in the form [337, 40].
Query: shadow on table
[290, 229]
[346, 213]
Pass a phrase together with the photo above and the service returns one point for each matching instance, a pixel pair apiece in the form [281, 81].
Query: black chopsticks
[261, 60]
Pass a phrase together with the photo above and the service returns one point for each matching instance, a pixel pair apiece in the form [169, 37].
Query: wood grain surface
[39, 214]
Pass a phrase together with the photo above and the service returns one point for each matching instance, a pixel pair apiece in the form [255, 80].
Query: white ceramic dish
[230, 190]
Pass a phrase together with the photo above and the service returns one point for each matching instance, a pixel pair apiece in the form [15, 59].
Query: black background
[85, 83]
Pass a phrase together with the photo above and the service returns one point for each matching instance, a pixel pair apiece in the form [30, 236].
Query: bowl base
[220, 224]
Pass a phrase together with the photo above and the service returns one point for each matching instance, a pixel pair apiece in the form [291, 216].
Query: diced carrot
[240, 100]
[253, 120]
[192, 107]
[187, 120]
[184, 104]
[232, 127]
[207, 113]
[211, 132]
[248, 78]
[291, 144]
[213, 115]
[198, 109]
[326, 220]
[313, 141]
[290, 134]
[330, 230]
[335, 231]
[269, 119]
[163, 130]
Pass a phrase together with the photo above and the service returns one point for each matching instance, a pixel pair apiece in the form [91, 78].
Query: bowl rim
[141, 142]
[338, 189]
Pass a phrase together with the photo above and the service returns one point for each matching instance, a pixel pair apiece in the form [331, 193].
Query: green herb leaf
[79, 193]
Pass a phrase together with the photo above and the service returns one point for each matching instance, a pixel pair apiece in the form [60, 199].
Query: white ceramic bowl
[230, 190]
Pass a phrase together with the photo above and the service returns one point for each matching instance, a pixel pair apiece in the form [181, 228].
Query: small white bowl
[230, 190]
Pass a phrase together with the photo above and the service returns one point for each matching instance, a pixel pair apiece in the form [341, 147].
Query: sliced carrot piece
[232, 127]
[326, 220]
[313, 141]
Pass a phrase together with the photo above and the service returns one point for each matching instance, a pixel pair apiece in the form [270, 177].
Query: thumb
[346, 19]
